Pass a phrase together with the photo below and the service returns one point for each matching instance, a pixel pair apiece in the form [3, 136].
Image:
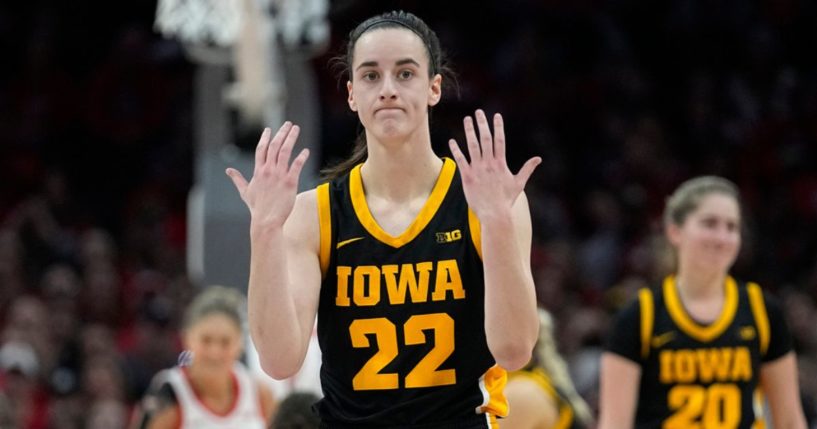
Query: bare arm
[495, 195]
[779, 381]
[510, 297]
[267, 402]
[282, 303]
[284, 268]
[169, 418]
[530, 406]
[618, 391]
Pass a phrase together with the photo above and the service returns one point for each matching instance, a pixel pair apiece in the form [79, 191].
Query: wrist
[496, 219]
[264, 230]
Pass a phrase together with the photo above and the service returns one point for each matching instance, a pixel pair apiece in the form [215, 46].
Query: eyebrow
[397, 63]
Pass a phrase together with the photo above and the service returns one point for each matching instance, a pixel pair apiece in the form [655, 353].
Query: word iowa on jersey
[399, 284]
[401, 319]
[701, 375]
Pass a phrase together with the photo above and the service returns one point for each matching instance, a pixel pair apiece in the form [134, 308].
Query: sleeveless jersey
[566, 419]
[695, 375]
[246, 412]
[401, 319]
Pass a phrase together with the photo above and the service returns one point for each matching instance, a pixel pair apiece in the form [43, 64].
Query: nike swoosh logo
[345, 242]
[662, 339]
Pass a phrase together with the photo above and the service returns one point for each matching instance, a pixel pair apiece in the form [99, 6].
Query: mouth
[388, 109]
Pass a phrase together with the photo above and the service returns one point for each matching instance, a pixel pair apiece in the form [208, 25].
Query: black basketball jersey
[401, 319]
[567, 414]
[695, 375]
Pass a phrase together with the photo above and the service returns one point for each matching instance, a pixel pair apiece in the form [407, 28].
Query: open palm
[489, 185]
[270, 194]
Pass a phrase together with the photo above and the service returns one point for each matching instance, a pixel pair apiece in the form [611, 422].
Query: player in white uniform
[214, 390]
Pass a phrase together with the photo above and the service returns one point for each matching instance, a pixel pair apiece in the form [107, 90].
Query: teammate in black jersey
[703, 349]
[417, 269]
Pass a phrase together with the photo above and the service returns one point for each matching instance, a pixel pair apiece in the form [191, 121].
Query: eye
[369, 76]
[709, 222]
[405, 74]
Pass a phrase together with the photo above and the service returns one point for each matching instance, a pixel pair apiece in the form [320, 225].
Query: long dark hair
[436, 65]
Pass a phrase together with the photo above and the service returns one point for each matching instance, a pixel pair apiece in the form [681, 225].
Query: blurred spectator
[21, 386]
[623, 100]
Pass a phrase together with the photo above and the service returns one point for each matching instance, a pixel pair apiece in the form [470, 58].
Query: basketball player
[541, 395]
[702, 349]
[214, 390]
[417, 267]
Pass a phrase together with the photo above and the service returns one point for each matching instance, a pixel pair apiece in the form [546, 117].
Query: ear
[351, 99]
[435, 90]
[673, 233]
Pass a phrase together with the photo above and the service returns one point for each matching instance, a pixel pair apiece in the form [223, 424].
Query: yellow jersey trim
[433, 203]
[325, 222]
[691, 327]
[476, 231]
[758, 401]
[565, 418]
[761, 317]
[647, 307]
[492, 384]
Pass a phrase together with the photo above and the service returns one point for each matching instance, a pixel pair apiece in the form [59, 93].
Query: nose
[726, 236]
[388, 89]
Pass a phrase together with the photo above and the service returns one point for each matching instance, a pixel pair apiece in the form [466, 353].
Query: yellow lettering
[448, 279]
[705, 365]
[402, 282]
[742, 366]
[342, 299]
[396, 295]
[419, 293]
[665, 371]
[363, 295]
[714, 364]
[684, 366]
[408, 282]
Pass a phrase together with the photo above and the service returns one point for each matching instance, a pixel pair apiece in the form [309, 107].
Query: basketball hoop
[205, 23]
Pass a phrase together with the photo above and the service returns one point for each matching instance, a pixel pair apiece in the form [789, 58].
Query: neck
[695, 284]
[400, 170]
[210, 383]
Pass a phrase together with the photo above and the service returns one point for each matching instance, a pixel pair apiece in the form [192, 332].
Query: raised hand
[490, 187]
[270, 194]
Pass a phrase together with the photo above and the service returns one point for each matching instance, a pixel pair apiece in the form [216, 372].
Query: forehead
[215, 323]
[718, 204]
[388, 45]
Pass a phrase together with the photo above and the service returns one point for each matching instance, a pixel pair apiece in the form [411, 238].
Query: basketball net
[200, 22]
[238, 33]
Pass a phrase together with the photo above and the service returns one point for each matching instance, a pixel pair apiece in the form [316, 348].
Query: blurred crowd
[622, 99]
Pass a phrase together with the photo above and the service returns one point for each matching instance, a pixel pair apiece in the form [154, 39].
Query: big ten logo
[448, 237]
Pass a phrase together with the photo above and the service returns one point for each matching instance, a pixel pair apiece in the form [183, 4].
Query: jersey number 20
[425, 373]
[717, 406]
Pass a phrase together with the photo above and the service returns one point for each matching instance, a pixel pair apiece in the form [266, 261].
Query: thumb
[238, 180]
[526, 170]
